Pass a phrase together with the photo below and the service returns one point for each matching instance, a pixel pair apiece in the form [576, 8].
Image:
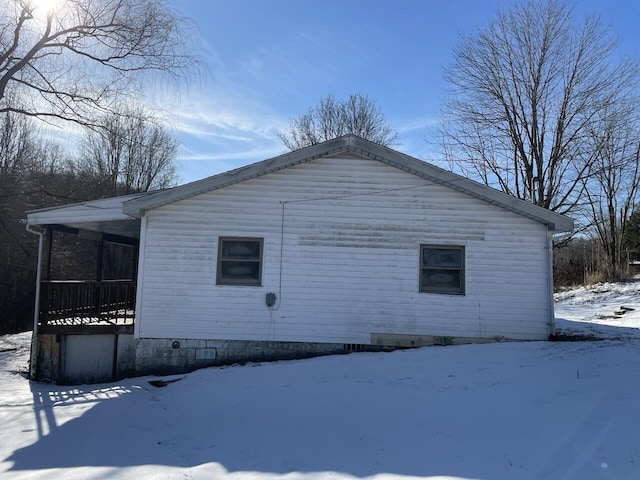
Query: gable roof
[350, 144]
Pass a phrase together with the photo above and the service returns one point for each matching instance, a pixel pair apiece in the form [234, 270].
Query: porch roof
[102, 216]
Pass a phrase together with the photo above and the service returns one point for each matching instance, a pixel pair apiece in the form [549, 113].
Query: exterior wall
[349, 231]
[126, 356]
[56, 363]
[180, 355]
[47, 358]
[87, 359]
[167, 356]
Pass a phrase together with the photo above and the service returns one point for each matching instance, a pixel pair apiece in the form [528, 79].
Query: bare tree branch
[612, 186]
[131, 152]
[73, 63]
[525, 93]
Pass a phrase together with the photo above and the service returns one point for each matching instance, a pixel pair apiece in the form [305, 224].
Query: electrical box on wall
[270, 299]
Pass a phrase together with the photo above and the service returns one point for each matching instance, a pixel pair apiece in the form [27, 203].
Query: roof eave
[356, 145]
[137, 207]
[555, 222]
[106, 209]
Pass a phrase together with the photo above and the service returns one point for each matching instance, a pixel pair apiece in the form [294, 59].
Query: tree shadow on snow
[286, 429]
[135, 426]
[101, 435]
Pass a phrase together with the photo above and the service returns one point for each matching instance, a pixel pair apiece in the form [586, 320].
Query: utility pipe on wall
[551, 307]
[36, 310]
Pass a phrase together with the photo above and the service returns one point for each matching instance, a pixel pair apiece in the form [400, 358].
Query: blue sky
[269, 61]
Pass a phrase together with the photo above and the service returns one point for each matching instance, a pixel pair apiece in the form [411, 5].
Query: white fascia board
[107, 209]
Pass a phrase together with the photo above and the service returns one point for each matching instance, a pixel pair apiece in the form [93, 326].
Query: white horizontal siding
[350, 237]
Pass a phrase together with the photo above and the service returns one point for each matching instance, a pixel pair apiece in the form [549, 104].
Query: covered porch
[86, 291]
[87, 267]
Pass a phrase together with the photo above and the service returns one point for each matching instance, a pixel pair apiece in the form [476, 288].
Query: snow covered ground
[534, 410]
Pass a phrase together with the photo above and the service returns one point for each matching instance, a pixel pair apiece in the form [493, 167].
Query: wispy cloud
[222, 130]
[194, 165]
[215, 110]
[423, 123]
[254, 154]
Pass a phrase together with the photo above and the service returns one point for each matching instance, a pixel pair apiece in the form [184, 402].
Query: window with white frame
[442, 269]
[239, 261]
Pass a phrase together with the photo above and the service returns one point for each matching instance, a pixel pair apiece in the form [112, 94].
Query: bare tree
[29, 178]
[17, 146]
[611, 189]
[74, 59]
[131, 152]
[526, 91]
[358, 115]
[18, 152]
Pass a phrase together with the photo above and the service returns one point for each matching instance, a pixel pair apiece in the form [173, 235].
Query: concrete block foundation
[169, 356]
[166, 356]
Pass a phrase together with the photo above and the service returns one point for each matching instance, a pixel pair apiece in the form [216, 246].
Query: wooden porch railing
[83, 303]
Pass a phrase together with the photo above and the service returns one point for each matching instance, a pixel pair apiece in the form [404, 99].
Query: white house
[345, 245]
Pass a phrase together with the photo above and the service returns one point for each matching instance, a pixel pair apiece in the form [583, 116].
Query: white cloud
[214, 112]
[222, 130]
[194, 165]
[423, 123]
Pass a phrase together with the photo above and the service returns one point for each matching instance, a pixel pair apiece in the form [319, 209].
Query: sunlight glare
[44, 7]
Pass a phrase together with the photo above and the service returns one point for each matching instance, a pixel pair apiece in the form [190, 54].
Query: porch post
[99, 259]
[33, 362]
[135, 258]
[49, 239]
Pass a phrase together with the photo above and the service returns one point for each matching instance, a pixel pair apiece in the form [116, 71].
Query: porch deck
[87, 306]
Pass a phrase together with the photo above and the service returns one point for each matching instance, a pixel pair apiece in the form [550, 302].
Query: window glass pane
[239, 261]
[240, 271]
[241, 249]
[441, 280]
[442, 257]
